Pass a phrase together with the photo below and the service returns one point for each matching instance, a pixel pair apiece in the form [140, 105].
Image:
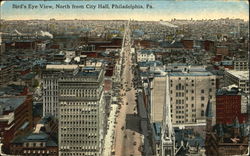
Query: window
[202, 98]
[202, 113]
[192, 98]
[202, 91]
[202, 105]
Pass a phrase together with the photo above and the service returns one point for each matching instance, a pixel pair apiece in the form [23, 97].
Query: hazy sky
[165, 10]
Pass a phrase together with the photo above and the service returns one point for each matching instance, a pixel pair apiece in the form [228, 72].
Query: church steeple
[209, 112]
[209, 116]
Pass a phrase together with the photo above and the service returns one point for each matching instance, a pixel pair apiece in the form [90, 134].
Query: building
[82, 112]
[225, 139]
[145, 55]
[239, 78]
[229, 106]
[50, 78]
[223, 50]
[41, 141]
[15, 118]
[157, 98]
[190, 91]
[6, 74]
[241, 65]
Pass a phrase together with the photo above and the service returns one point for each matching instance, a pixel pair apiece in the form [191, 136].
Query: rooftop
[11, 103]
[242, 75]
[190, 74]
[61, 67]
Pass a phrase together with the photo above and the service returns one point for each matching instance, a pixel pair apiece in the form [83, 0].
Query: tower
[167, 133]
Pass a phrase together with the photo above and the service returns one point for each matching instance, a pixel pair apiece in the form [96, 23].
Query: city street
[128, 138]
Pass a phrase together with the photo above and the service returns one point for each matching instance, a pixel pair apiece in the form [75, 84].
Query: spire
[236, 123]
[220, 132]
[209, 113]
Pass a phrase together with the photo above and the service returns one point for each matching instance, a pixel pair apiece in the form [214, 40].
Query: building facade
[241, 65]
[145, 55]
[50, 78]
[82, 112]
[157, 98]
[15, 118]
[229, 106]
[189, 95]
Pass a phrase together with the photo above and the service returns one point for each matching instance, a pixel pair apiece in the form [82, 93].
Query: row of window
[79, 135]
[78, 122]
[78, 116]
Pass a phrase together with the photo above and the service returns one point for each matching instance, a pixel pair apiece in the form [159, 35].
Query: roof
[150, 63]
[61, 67]
[36, 137]
[28, 76]
[190, 74]
[11, 103]
[242, 75]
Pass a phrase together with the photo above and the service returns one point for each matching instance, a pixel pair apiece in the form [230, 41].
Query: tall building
[229, 103]
[190, 91]
[157, 98]
[50, 87]
[190, 88]
[15, 118]
[82, 113]
[239, 78]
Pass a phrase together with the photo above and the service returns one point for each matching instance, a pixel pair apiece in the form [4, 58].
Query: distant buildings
[145, 55]
[6, 74]
[81, 112]
[239, 78]
[223, 50]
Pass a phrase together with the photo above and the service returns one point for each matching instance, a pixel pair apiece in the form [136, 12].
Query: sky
[162, 10]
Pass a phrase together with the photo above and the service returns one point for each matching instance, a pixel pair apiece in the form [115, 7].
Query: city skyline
[162, 10]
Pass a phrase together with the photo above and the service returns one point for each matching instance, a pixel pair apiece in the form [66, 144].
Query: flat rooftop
[61, 67]
[190, 74]
[11, 103]
[242, 75]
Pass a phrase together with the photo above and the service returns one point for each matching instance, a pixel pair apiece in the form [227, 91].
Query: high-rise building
[81, 112]
[157, 98]
[229, 103]
[190, 91]
[190, 88]
[50, 87]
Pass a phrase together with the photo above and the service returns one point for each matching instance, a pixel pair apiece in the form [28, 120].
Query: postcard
[124, 78]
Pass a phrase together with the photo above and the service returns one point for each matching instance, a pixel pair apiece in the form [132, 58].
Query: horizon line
[190, 19]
